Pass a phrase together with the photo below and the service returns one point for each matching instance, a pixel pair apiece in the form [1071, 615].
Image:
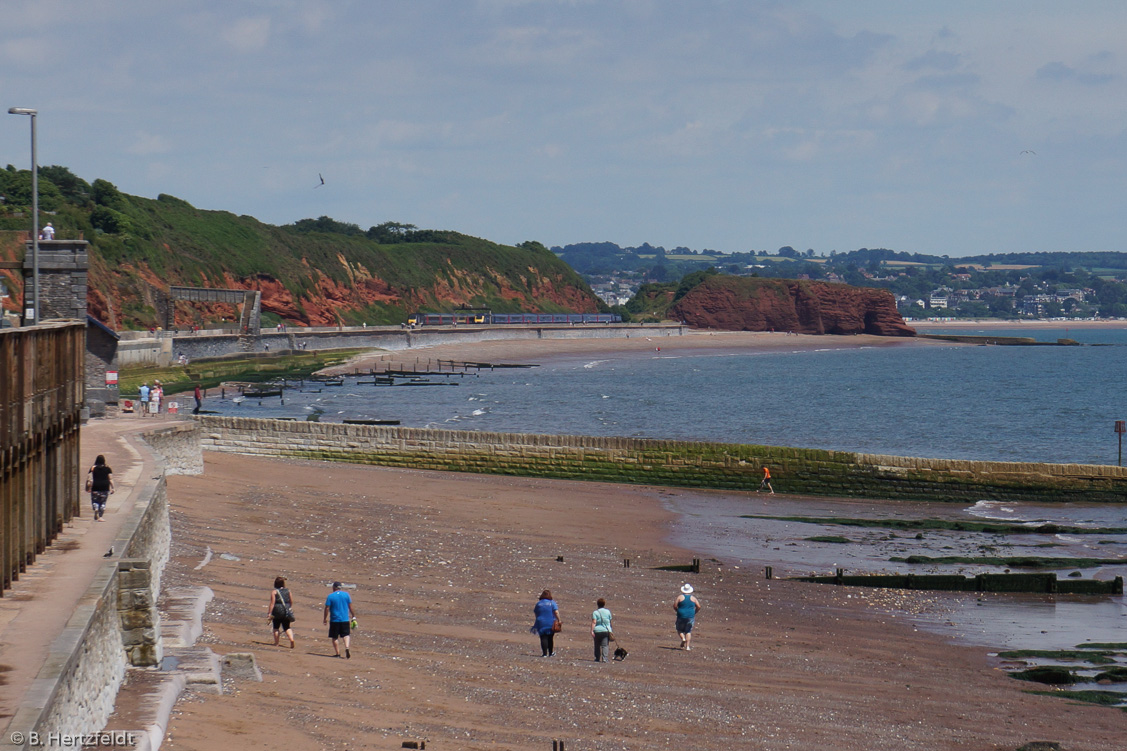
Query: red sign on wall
[111, 377]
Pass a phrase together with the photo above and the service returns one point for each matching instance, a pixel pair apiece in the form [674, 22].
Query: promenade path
[34, 612]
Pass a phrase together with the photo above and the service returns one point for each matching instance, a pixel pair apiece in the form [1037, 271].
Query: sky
[950, 128]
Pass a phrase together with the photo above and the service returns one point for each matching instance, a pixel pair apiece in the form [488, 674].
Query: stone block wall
[179, 446]
[85, 687]
[136, 609]
[671, 463]
[62, 278]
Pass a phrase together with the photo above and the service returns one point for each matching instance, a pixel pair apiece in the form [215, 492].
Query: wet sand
[444, 570]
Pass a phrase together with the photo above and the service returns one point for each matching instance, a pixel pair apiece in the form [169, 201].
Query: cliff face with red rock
[732, 303]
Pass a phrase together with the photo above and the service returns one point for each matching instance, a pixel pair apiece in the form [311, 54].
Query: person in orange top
[766, 481]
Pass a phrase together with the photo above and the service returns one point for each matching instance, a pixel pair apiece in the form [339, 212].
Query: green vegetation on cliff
[315, 271]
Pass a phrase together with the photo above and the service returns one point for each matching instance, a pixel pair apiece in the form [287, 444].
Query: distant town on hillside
[1011, 285]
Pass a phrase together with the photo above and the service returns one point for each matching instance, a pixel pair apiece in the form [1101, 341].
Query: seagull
[109, 553]
[322, 181]
[1027, 151]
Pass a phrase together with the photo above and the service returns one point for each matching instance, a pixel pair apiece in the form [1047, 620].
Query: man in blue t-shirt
[338, 614]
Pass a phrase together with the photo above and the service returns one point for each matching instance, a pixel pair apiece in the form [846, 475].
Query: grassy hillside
[314, 271]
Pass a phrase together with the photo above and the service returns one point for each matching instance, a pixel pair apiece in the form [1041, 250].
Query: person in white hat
[687, 607]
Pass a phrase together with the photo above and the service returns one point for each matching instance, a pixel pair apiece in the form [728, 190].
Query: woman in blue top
[601, 631]
[547, 615]
[687, 608]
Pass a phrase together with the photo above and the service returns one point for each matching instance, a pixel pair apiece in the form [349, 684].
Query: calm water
[1054, 404]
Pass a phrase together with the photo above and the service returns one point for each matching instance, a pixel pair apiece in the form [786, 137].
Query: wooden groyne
[1031, 583]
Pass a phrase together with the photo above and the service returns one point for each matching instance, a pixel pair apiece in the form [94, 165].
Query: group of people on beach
[339, 616]
[548, 622]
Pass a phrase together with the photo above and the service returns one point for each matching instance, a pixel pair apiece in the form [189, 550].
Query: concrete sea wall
[163, 348]
[674, 463]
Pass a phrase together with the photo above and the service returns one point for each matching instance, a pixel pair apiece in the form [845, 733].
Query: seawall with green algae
[723, 466]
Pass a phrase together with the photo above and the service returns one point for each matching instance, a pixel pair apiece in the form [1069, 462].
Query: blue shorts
[684, 625]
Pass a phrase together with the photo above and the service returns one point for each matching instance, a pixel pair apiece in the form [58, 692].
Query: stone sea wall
[672, 463]
[179, 447]
[116, 623]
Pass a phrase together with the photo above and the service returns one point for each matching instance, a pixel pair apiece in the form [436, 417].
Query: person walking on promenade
[601, 631]
[145, 393]
[99, 482]
[338, 614]
[280, 610]
[548, 622]
[687, 607]
[199, 400]
[766, 483]
[155, 396]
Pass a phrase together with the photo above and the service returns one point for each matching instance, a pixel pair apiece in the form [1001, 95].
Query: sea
[1054, 404]
[1031, 404]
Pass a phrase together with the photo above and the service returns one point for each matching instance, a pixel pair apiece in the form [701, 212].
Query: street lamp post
[32, 311]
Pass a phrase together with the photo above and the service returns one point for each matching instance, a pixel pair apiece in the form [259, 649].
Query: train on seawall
[488, 318]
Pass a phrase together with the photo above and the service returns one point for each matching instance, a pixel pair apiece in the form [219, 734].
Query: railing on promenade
[41, 393]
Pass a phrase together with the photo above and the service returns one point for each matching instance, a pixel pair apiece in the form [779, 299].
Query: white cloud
[147, 144]
[26, 52]
[713, 123]
[247, 34]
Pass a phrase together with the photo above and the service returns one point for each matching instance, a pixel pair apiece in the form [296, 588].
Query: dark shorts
[338, 629]
[282, 624]
[98, 498]
[684, 625]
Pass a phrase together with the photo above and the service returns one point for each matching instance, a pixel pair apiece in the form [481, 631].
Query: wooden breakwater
[671, 463]
[1041, 583]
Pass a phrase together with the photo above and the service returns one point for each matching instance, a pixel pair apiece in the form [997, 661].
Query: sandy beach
[444, 570]
[692, 342]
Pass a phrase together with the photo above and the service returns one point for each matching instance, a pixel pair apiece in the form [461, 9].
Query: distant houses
[1006, 297]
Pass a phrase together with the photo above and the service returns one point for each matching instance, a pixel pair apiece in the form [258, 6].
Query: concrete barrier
[164, 347]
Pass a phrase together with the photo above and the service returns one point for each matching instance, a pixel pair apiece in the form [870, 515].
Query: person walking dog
[601, 631]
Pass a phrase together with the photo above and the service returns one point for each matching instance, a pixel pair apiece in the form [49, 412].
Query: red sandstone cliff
[733, 303]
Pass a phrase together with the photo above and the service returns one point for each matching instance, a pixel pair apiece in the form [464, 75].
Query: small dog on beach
[620, 653]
